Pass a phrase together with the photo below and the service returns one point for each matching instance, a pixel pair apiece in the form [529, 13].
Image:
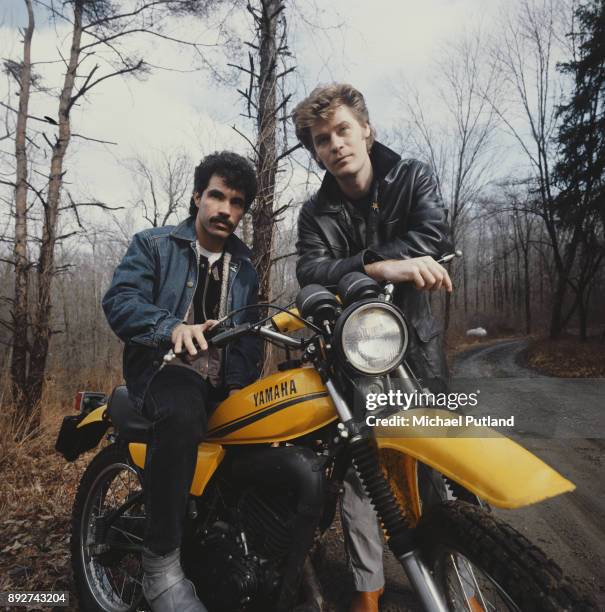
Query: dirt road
[570, 528]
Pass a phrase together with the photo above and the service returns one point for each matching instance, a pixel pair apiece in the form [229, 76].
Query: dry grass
[568, 357]
[37, 493]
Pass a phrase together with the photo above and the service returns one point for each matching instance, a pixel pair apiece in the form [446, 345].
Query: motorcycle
[269, 474]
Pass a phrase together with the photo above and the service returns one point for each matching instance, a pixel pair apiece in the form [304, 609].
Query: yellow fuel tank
[277, 408]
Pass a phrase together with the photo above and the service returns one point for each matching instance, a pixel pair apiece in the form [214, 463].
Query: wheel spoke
[478, 590]
[113, 575]
[129, 535]
[466, 599]
[477, 594]
[122, 589]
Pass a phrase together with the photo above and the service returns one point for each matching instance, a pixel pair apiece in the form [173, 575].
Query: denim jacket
[151, 291]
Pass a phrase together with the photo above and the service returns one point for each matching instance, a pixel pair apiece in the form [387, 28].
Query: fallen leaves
[37, 494]
[568, 357]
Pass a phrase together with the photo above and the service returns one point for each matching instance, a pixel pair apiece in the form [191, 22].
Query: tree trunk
[266, 145]
[583, 317]
[20, 304]
[518, 296]
[465, 282]
[46, 262]
[495, 278]
[564, 266]
[527, 292]
[556, 316]
[541, 276]
[506, 297]
[477, 282]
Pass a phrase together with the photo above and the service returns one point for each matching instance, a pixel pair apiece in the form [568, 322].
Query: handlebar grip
[210, 334]
[224, 336]
[219, 336]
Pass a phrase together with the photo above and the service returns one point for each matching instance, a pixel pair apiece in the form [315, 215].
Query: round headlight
[374, 338]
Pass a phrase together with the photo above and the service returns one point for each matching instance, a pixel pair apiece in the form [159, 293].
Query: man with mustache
[171, 286]
[382, 215]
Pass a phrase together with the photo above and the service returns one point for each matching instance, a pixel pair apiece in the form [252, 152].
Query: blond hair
[321, 103]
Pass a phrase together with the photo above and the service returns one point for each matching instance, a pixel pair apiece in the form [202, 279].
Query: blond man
[380, 214]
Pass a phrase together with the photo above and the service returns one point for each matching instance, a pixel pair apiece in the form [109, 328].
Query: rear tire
[107, 579]
[473, 554]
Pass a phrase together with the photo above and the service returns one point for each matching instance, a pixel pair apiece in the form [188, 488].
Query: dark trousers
[176, 403]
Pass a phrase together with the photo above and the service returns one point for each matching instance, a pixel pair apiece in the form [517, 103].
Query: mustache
[223, 220]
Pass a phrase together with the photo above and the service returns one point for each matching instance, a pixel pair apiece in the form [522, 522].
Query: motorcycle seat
[130, 424]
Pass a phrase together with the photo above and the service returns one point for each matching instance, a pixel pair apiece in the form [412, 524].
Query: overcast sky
[368, 44]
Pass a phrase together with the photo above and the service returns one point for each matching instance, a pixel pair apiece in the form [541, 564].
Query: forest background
[106, 107]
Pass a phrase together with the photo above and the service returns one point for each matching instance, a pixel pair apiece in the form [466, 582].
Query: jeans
[176, 403]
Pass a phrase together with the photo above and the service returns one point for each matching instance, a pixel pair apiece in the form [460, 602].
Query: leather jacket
[412, 222]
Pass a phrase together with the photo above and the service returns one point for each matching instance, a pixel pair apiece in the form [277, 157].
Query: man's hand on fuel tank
[183, 337]
[424, 272]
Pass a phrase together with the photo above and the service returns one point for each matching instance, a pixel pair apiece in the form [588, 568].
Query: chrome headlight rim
[360, 307]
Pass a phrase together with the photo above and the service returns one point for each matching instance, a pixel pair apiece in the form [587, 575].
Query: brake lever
[389, 288]
[449, 257]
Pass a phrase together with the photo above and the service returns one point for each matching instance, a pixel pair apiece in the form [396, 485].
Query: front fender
[494, 468]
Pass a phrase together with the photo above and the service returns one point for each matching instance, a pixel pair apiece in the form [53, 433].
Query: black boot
[164, 584]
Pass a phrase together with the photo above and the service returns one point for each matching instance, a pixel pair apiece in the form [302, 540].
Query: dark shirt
[364, 214]
[206, 300]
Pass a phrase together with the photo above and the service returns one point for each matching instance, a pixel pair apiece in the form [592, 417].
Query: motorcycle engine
[268, 522]
[227, 576]
[239, 568]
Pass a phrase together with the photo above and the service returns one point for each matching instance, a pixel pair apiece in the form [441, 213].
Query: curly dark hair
[235, 170]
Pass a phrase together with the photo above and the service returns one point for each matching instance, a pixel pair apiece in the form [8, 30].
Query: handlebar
[219, 336]
[227, 335]
[279, 325]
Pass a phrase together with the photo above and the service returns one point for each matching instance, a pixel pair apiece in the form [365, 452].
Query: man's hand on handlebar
[185, 336]
[424, 272]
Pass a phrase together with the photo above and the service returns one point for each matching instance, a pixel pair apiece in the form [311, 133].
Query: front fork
[421, 579]
[399, 535]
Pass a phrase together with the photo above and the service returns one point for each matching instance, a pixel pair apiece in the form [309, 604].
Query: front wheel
[107, 533]
[482, 564]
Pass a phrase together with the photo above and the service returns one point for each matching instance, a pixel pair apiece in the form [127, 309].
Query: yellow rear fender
[494, 468]
[98, 414]
[79, 433]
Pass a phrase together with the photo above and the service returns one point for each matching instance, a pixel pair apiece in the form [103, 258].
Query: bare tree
[23, 77]
[518, 212]
[266, 103]
[459, 149]
[525, 57]
[97, 53]
[163, 186]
